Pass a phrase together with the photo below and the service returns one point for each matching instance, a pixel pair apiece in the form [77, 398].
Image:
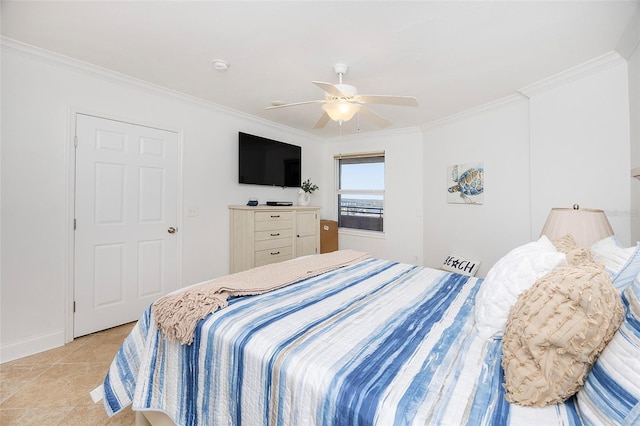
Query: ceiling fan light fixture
[341, 110]
[341, 102]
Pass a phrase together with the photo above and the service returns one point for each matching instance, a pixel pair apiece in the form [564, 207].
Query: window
[361, 191]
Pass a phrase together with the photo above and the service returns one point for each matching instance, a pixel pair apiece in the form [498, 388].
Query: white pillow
[461, 265]
[507, 279]
[610, 252]
[623, 264]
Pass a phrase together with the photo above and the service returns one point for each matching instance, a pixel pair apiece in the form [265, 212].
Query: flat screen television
[265, 161]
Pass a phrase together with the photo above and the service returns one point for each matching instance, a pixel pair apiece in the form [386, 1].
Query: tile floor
[52, 387]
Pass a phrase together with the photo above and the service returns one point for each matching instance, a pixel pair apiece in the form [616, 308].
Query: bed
[377, 342]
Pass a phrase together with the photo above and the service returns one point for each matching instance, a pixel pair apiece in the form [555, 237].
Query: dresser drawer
[273, 234]
[273, 244]
[278, 254]
[273, 216]
[272, 225]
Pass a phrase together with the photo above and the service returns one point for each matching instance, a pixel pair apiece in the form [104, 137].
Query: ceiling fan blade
[388, 100]
[322, 121]
[296, 104]
[329, 88]
[375, 117]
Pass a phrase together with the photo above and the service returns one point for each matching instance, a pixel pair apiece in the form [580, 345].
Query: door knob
[172, 230]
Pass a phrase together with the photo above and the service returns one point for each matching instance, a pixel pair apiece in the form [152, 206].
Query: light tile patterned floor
[52, 387]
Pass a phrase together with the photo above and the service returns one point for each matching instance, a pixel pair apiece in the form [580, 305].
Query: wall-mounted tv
[265, 161]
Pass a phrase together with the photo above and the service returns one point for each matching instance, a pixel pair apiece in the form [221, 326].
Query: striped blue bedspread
[376, 343]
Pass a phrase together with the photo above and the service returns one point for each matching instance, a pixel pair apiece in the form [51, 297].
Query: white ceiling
[451, 55]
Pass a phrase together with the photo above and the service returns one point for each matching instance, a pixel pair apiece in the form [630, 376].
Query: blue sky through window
[367, 176]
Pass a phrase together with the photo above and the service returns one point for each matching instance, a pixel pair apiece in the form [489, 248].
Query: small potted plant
[304, 194]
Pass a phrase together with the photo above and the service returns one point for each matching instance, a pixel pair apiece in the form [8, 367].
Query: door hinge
[75, 141]
[74, 224]
[74, 306]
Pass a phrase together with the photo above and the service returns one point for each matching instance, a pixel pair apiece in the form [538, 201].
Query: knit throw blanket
[177, 314]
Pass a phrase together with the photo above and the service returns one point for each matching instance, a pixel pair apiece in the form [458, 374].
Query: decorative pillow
[510, 276]
[611, 394]
[460, 265]
[555, 332]
[622, 263]
[565, 243]
[575, 255]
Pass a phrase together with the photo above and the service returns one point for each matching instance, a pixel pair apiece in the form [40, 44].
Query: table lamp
[587, 226]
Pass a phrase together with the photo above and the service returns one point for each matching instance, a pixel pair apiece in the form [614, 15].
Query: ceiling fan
[342, 102]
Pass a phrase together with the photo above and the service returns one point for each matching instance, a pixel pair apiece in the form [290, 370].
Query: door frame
[70, 195]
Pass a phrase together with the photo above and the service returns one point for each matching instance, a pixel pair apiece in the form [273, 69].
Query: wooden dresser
[265, 234]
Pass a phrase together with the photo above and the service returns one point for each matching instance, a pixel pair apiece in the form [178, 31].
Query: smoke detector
[220, 64]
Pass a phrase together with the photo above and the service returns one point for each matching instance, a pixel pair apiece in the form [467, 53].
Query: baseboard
[31, 346]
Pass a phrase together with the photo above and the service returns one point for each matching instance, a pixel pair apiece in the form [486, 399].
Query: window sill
[361, 233]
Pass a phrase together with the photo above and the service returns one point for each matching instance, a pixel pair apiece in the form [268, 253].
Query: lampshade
[341, 110]
[587, 226]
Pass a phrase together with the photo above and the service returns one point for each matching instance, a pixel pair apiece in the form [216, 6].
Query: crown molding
[48, 57]
[35, 53]
[511, 99]
[586, 69]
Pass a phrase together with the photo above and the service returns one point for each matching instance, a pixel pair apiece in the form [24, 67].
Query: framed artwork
[465, 183]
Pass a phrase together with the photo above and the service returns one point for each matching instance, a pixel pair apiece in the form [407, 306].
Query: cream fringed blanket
[177, 314]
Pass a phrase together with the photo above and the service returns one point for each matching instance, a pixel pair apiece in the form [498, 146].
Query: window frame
[339, 192]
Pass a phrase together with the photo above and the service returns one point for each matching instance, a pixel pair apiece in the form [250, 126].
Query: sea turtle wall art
[465, 183]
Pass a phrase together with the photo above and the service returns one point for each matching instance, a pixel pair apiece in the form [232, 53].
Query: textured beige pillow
[555, 332]
[575, 255]
[565, 244]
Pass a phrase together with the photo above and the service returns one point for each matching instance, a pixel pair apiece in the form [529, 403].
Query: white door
[126, 247]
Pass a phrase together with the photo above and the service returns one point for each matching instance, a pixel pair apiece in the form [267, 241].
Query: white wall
[634, 114]
[568, 143]
[402, 239]
[39, 92]
[580, 148]
[628, 47]
[498, 136]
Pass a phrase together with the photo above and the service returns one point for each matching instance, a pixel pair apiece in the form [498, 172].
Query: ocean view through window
[361, 191]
